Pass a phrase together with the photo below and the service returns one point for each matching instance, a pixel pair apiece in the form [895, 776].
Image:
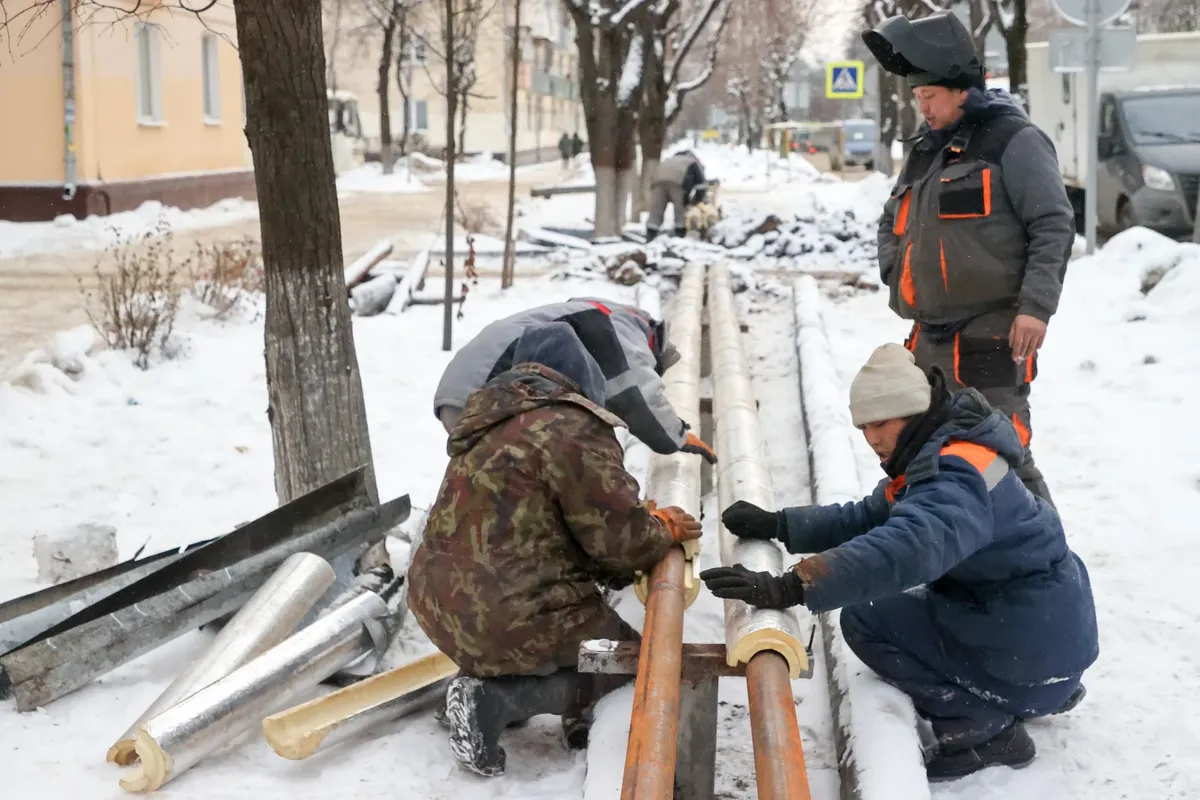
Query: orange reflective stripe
[893, 489]
[1029, 368]
[942, 258]
[976, 455]
[1023, 432]
[987, 192]
[901, 223]
[911, 344]
[908, 290]
[607, 311]
[957, 379]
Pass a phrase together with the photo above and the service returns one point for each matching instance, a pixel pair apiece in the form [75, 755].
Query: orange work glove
[682, 526]
[695, 444]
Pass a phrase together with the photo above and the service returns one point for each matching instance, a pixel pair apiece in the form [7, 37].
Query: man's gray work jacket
[979, 219]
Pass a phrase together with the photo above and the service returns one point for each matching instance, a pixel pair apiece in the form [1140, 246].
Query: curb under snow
[878, 748]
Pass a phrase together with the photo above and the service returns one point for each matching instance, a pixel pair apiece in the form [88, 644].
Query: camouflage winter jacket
[534, 511]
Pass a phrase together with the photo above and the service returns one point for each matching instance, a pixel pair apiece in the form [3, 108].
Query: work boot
[479, 709]
[1012, 747]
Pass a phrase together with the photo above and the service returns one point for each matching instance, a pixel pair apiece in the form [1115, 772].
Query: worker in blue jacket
[955, 582]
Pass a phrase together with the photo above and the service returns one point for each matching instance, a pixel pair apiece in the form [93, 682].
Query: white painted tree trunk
[627, 184]
[649, 171]
[607, 224]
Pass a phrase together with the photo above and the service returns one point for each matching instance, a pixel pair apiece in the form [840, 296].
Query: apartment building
[548, 101]
[109, 114]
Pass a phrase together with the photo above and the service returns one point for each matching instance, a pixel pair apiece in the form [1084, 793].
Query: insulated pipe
[267, 619]
[675, 480]
[742, 474]
[180, 737]
[768, 640]
[68, 69]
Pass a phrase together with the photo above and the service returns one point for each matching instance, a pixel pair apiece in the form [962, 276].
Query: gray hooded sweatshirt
[625, 343]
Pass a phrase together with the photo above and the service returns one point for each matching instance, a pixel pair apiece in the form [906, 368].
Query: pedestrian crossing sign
[843, 80]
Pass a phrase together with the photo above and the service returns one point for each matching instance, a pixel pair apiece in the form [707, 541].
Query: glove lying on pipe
[697, 446]
[759, 589]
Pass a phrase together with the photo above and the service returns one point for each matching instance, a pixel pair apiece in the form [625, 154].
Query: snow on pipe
[357, 272]
[650, 753]
[267, 619]
[875, 732]
[177, 739]
[742, 474]
[297, 732]
[674, 480]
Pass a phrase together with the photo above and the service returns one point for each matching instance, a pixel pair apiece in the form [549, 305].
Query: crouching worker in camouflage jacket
[955, 581]
[535, 515]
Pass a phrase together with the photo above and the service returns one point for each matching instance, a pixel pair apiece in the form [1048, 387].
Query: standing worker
[974, 241]
[680, 182]
[576, 146]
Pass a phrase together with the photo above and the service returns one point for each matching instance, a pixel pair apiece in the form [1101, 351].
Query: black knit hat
[973, 78]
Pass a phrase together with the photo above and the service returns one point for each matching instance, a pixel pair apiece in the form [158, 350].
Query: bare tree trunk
[315, 401]
[451, 103]
[405, 36]
[334, 43]
[463, 98]
[507, 272]
[651, 122]
[386, 156]
[1014, 41]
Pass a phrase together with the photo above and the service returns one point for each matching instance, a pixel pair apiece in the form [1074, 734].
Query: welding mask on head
[935, 51]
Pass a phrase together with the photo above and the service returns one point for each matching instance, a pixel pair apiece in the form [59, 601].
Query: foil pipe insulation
[178, 738]
[742, 474]
[268, 618]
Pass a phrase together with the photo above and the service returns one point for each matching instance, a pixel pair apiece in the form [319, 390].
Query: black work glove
[748, 521]
[760, 589]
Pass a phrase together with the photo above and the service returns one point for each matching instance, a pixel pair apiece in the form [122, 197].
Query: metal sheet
[742, 474]
[267, 619]
[38, 674]
[177, 739]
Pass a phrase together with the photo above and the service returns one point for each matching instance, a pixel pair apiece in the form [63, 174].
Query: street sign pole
[1092, 55]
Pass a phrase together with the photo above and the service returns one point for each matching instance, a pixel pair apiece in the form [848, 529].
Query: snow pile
[480, 167]
[97, 232]
[877, 721]
[742, 169]
[370, 178]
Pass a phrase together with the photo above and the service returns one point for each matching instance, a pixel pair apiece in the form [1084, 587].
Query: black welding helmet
[934, 51]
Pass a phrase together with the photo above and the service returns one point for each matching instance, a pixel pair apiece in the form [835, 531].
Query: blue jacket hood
[973, 420]
[557, 346]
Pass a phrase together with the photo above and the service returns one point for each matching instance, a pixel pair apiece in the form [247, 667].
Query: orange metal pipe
[654, 724]
[778, 753]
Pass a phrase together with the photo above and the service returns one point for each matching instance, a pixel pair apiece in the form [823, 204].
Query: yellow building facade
[158, 111]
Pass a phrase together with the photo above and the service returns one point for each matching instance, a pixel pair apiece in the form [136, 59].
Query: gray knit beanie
[889, 386]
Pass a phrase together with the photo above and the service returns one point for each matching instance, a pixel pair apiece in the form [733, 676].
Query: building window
[210, 66]
[414, 51]
[529, 111]
[149, 73]
[420, 120]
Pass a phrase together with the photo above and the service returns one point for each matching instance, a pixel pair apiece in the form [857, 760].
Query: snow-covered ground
[96, 233]
[183, 452]
[370, 178]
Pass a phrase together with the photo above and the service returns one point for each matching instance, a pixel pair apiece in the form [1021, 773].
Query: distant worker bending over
[630, 347]
[536, 514]
[955, 581]
[680, 183]
[974, 242]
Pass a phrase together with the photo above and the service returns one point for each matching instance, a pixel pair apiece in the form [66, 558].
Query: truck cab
[1147, 137]
[1149, 159]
